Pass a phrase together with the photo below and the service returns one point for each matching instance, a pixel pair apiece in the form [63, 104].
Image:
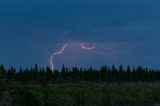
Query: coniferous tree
[2, 72]
[128, 74]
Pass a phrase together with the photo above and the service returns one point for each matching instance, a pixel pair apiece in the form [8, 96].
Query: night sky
[31, 30]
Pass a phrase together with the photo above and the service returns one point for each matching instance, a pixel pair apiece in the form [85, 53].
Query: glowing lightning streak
[97, 52]
[55, 54]
[109, 54]
[88, 48]
[83, 47]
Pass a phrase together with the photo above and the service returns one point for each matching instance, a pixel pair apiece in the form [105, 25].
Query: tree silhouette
[76, 75]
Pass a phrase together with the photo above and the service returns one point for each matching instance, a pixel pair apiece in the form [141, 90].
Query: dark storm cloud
[33, 27]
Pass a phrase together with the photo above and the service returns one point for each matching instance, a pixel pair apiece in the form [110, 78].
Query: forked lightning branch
[81, 45]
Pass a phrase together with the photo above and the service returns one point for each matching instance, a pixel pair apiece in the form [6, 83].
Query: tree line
[106, 73]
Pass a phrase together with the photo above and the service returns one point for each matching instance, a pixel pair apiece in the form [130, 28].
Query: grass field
[128, 94]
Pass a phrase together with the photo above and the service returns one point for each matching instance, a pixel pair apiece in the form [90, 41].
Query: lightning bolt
[88, 48]
[107, 54]
[98, 52]
[55, 54]
[85, 48]
[111, 53]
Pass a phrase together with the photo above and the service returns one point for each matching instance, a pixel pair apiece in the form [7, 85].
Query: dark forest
[109, 86]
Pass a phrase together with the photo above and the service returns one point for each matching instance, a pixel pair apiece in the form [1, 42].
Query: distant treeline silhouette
[74, 75]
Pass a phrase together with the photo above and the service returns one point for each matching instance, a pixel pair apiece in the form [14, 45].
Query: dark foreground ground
[88, 94]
